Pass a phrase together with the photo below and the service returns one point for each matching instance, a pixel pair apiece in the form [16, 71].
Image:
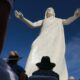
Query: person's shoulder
[20, 68]
[58, 18]
[40, 20]
[3, 63]
[56, 74]
[35, 72]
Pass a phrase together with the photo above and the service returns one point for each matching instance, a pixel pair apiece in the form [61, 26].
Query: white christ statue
[50, 42]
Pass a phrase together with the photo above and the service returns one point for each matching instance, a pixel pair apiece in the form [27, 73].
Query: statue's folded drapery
[50, 42]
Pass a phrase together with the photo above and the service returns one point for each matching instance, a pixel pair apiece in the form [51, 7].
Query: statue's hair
[47, 10]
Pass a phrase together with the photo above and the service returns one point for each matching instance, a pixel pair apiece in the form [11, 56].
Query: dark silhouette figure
[45, 70]
[6, 73]
[5, 8]
[13, 63]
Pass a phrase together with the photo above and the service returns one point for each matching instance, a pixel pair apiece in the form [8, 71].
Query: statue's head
[49, 12]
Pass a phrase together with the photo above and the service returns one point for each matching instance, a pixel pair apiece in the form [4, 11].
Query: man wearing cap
[13, 63]
[45, 68]
[5, 9]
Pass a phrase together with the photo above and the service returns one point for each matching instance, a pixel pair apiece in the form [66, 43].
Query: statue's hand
[18, 14]
[77, 12]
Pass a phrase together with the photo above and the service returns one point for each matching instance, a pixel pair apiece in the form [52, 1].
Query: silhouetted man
[45, 68]
[5, 8]
[13, 63]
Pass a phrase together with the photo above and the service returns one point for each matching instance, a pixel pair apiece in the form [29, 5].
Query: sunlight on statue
[50, 42]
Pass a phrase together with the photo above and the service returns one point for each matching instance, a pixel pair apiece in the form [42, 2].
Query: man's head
[13, 57]
[49, 12]
[45, 64]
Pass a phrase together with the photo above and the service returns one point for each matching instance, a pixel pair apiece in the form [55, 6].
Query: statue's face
[50, 12]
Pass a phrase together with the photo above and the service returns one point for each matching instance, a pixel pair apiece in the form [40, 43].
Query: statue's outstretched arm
[20, 16]
[72, 18]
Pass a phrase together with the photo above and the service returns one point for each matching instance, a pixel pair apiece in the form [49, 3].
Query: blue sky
[19, 36]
